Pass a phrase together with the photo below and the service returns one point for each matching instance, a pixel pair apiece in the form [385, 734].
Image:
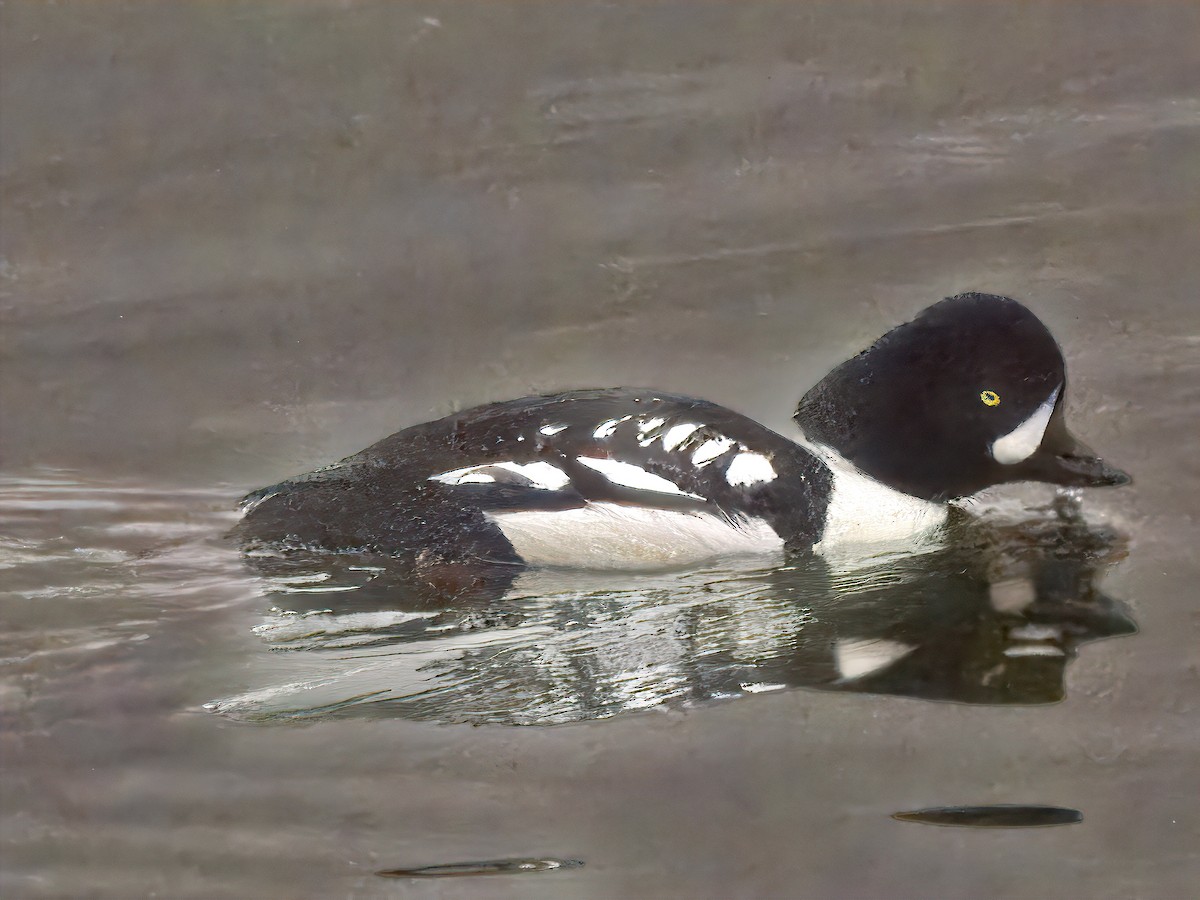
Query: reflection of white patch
[1012, 595]
[633, 476]
[761, 687]
[749, 468]
[857, 658]
[313, 588]
[1034, 632]
[864, 511]
[549, 430]
[677, 434]
[540, 474]
[283, 627]
[605, 429]
[313, 578]
[1020, 443]
[609, 536]
[710, 450]
[1033, 650]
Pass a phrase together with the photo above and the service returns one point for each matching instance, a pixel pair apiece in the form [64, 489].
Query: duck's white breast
[866, 514]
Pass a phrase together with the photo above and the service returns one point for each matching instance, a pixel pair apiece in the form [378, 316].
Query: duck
[967, 395]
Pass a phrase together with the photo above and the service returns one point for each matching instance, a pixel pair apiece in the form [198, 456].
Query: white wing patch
[645, 429]
[612, 536]
[540, 474]
[710, 450]
[257, 501]
[470, 477]
[677, 434]
[462, 476]
[1020, 443]
[605, 429]
[633, 476]
[749, 468]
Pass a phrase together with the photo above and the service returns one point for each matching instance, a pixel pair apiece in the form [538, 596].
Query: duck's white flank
[611, 536]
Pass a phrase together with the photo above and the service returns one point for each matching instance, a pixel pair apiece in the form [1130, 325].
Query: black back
[382, 499]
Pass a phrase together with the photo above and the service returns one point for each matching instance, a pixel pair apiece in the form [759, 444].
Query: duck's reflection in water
[992, 618]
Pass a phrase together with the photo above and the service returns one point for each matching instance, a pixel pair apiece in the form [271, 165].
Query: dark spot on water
[1002, 815]
[486, 867]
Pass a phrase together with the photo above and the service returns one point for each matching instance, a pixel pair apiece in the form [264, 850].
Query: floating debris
[487, 867]
[1002, 815]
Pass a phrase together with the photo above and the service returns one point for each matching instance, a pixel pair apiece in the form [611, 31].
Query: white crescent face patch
[1020, 443]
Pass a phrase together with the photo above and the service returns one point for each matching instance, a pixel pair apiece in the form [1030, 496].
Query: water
[239, 242]
[993, 620]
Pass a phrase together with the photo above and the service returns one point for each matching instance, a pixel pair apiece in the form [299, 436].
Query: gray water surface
[239, 241]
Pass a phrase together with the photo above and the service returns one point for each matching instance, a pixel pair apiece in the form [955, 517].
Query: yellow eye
[990, 398]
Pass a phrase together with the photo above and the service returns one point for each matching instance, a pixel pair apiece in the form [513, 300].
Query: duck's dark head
[968, 394]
